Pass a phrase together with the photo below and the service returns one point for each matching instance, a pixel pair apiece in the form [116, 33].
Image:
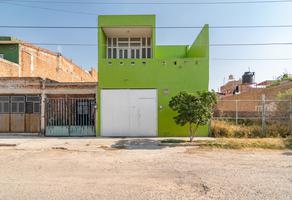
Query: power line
[157, 27]
[251, 59]
[157, 3]
[252, 44]
[20, 3]
[65, 44]
[51, 9]
[212, 45]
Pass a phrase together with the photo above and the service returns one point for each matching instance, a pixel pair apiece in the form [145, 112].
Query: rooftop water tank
[248, 78]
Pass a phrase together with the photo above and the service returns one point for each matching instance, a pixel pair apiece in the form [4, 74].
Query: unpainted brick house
[42, 92]
[21, 59]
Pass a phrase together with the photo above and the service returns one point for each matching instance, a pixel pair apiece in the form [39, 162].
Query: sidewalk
[40, 143]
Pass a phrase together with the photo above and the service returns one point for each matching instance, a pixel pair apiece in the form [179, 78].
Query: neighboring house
[42, 92]
[21, 59]
[234, 87]
[249, 102]
[31, 106]
[137, 78]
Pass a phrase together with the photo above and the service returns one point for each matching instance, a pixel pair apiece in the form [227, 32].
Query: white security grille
[123, 48]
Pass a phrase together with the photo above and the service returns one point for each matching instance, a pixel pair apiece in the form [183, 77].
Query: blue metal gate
[70, 117]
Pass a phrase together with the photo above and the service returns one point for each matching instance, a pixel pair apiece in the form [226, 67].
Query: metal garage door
[129, 112]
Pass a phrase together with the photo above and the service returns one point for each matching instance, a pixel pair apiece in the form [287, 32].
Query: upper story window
[134, 47]
[2, 56]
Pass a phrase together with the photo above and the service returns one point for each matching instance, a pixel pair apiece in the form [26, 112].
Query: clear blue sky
[167, 15]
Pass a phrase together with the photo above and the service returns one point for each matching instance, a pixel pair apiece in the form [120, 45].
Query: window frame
[18, 103]
[2, 105]
[118, 47]
[34, 100]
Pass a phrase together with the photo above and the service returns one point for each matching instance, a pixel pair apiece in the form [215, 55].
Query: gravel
[139, 169]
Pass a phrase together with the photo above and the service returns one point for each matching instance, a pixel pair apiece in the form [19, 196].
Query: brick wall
[39, 62]
[230, 86]
[246, 102]
[8, 69]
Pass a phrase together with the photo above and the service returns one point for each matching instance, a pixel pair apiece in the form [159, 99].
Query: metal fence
[269, 117]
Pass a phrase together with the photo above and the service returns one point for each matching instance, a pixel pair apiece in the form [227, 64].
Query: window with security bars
[33, 104]
[123, 48]
[4, 104]
[17, 104]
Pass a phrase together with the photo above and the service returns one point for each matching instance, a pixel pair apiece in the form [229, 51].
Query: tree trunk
[191, 133]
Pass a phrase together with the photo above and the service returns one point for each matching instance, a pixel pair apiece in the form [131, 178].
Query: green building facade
[9, 49]
[130, 63]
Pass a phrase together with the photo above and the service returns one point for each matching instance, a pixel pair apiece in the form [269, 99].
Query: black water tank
[248, 78]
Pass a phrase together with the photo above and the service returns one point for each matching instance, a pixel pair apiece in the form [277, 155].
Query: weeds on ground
[264, 143]
[250, 130]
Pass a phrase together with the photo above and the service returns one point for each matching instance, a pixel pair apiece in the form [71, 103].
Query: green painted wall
[171, 51]
[200, 47]
[122, 21]
[10, 52]
[173, 69]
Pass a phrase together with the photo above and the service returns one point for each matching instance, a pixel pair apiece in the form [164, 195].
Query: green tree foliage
[284, 77]
[194, 110]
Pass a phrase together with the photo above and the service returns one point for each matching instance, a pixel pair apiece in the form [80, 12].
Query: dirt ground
[76, 169]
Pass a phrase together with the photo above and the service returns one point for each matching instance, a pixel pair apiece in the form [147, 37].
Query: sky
[16, 12]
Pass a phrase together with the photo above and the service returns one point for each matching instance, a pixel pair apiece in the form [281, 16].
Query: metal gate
[70, 117]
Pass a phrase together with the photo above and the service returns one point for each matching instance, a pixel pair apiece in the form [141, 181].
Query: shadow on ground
[133, 144]
[287, 153]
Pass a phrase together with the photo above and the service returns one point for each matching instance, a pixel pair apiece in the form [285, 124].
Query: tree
[194, 110]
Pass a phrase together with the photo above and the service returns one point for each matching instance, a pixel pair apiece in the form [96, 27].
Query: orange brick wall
[38, 62]
[8, 69]
[246, 103]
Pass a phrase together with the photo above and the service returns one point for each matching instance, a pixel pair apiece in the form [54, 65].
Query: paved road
[57, 168]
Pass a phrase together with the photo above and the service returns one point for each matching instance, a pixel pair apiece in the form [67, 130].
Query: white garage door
[129, 112]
